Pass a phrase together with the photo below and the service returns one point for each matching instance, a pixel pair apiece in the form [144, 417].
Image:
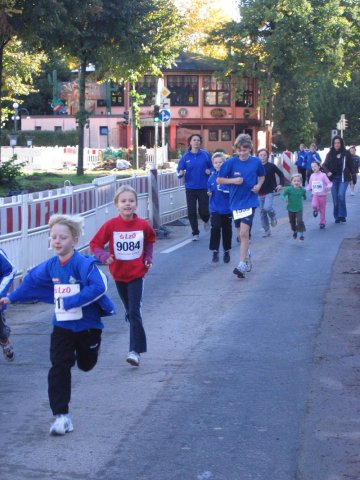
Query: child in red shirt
[130, 241]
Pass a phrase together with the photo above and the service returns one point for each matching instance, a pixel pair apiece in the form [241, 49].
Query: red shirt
[126, 239]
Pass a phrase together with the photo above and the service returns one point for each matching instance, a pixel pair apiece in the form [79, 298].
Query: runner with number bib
[244, 174]
[129, 257]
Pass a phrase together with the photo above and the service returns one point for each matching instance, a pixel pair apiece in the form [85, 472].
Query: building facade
[198, 102]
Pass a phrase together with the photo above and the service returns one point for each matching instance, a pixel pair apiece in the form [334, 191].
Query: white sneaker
[61, 425]
[195, 238]
[207, 226]
[133, 358]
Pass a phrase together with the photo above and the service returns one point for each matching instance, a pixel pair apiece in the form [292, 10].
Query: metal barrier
[24, 234]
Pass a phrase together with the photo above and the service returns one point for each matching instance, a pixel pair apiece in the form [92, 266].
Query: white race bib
[62, 290]
[128, 245]
[245, 212]
[317, 186]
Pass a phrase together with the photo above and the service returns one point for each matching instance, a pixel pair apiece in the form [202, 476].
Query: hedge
[41, 138]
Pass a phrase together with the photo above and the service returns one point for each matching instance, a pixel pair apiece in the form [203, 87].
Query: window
[213, 135]
[117, 95]
[226, 134]
[147, 86]
[216, 92]
[38, 128]
[245, 93]
[57, 128]
[184, 90]
[103, 130]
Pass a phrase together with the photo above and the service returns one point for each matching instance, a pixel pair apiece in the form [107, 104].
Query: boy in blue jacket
[76, 287]
[7, 275]
[221, 214]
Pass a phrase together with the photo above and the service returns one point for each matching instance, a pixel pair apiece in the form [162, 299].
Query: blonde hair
[122, 189]
[243, 140]
[296, 175]
[220, 155]
[74, 223]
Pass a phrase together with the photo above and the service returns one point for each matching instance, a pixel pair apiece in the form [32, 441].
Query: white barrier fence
[27, 241]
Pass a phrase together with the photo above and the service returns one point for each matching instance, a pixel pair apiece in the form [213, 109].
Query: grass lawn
[40, 180]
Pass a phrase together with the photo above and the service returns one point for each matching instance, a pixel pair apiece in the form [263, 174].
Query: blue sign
[164, 115]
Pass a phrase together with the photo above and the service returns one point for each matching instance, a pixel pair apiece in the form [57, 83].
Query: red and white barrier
[286, 164]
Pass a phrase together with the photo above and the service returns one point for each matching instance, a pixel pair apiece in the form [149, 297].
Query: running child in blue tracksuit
[7, 275]
[221, 214]
[76, 287]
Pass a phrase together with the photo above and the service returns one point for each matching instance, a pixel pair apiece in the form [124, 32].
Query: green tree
[121, 42]
[287, 45]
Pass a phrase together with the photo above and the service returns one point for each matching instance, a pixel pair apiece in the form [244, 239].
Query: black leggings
[194, 197]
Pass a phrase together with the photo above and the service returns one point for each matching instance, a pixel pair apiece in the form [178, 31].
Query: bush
[10, 171]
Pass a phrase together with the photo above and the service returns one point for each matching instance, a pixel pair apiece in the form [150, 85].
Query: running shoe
[295, 235]
[322, 225]
[133, 358]
[8, 350]
[226, 257]
[315, 212]
[195, 238]
[62, 425]
[267, 233]
[215, 257]
[342, 220]
[301, 237]
[240, 270]
[248, 262]
[273, 221]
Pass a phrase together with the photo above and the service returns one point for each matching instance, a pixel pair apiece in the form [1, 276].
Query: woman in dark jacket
[340, 168]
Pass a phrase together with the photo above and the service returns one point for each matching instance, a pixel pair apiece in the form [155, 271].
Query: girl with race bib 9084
[76, 287]
[130, 240]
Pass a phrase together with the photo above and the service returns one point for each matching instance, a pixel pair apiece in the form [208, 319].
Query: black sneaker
[342, 220]
[8, 350]
[322, 225]
[338, 220]
[315, 212]
[226, 257]
[215, 257]
[295, 235]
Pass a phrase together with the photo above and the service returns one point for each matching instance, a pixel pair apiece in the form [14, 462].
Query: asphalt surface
[254, 378]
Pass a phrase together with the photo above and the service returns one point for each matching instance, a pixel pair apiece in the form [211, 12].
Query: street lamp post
[16, 116]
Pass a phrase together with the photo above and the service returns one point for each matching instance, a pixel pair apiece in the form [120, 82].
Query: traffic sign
[165, 92]
[164, 115]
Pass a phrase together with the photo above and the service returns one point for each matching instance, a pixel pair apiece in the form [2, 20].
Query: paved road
[222, 393]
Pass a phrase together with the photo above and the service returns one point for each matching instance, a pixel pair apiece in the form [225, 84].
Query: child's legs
[300, 225]
[215, 232]
[4, 328]
[62, 357]
[315, 204]
[122, 289]
[87, 348]
[137, 332]
[292, 220]
[263, 214]
[226, 228]
[243, 234]
[322, 208]
[268, 205]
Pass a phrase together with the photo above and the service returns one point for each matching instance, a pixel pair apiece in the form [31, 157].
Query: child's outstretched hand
[109, 260]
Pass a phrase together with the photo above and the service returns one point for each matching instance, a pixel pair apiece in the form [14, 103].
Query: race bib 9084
[128, 245]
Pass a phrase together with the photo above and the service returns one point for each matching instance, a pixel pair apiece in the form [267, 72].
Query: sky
[231, 7]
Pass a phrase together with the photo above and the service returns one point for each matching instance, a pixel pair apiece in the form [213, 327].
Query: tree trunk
[82, 117]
